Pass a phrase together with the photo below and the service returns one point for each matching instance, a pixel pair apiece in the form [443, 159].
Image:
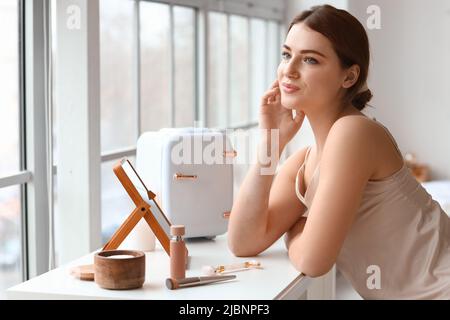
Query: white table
[277, 280]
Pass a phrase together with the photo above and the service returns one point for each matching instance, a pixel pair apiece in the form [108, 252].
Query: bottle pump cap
[177, 230]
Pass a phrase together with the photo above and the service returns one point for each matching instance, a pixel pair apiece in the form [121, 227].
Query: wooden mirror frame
[142, 210]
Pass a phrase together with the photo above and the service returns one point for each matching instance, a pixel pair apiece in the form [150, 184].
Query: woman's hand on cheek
[274, 116]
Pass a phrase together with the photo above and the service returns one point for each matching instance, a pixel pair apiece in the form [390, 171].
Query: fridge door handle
[180, 176]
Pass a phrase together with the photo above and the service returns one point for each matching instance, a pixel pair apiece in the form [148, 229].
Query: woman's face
[309, 74]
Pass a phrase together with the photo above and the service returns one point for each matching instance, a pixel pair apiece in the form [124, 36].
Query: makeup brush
[173, 284]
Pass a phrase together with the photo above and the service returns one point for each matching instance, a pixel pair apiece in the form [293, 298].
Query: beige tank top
[398, 245]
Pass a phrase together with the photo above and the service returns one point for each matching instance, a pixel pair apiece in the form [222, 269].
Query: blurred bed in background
[440, 191]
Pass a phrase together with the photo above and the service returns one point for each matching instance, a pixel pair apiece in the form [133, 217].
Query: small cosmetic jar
[119, 269]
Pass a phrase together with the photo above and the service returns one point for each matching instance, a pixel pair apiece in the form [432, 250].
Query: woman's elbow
[234, 248]
[315, 272]
[240, 250]
[313, 268]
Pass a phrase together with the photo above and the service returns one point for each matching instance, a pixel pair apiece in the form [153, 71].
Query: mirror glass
[144, 193]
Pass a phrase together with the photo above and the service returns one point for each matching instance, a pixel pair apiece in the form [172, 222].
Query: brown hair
[349, 40]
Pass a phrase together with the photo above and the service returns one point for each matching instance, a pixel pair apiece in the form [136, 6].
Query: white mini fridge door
[198, 195]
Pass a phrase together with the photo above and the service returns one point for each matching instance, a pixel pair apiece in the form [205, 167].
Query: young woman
[349, 199]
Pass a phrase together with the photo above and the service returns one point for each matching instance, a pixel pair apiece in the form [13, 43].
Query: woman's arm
[265, 208]
[294, 232]
[346, 165]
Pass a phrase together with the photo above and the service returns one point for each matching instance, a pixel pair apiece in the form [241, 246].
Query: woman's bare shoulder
[369, 129]
[360, 126]
[360, 123]
[384, 157]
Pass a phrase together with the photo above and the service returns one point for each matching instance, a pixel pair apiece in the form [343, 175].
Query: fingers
[270, 96]
[278, 96]
[275, 84]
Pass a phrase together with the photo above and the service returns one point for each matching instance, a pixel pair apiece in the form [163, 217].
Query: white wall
[409, 75]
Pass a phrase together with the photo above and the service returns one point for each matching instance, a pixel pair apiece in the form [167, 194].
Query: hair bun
[360, 100]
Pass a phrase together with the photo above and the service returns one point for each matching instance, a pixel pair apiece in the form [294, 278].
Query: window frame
[32, 176]
[202, 9]
[266, 10]
[35, 99]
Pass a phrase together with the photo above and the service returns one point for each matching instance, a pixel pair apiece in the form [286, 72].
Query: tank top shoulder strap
[302, 167]
[391, 137]
[307, 155]
[297, 176]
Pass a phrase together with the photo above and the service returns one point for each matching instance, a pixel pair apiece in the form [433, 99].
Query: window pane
[155, 66]
[116, 204]
[118, 104]
[239, 61]
[282, 30]
[10, 238]
[54, 83]
[58, 246]
[217, 70]
[274, 51]
[184, 42]
[9, 87]
[259, 50]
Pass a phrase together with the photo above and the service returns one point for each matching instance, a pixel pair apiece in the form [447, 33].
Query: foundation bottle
[177, 252]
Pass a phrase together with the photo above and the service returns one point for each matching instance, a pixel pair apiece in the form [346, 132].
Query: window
[162, 39]
[118, 102]
[156, 109]
[217, 67]
[11, 269]
[184, 73]
[119, 111]
[116, 204]
[260, 51]
[10, 237]
[239, 70]
[275, 35]
[9, 88]
[157, 68]
[152, 70]
[242, 57]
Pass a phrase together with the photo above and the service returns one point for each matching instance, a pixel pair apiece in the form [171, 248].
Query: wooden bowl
[119, 273]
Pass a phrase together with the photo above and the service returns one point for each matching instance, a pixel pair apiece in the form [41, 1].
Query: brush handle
[195, 281]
